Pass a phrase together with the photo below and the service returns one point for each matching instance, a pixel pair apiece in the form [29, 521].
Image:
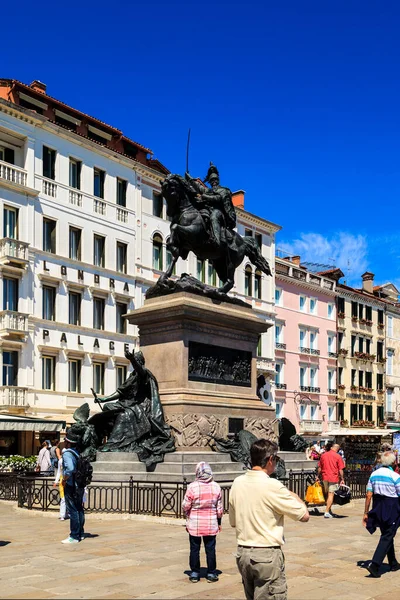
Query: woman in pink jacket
[203, 508]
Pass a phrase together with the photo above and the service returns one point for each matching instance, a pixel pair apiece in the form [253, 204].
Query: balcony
[13, 397]
[12, 174]
[333, 425]
[49, 188]
[304, 350]
[390, 416]
[314, 352]
[310, 388]
[99, 207]
[13, 253]
[75, 198]
[279, 346]
[332, 354]
[280, 386]
[265, 365]
[311, 426]
[13, 324]
[122, 215]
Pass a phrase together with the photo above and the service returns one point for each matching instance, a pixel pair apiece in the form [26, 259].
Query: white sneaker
[70, 540]
[328, 516]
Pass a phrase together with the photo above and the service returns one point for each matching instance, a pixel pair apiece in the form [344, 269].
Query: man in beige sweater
[257, 506]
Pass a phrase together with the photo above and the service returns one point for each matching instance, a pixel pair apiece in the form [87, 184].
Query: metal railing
[159, 499]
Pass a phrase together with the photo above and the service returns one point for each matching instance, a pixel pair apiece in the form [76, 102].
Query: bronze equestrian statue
[203, 221]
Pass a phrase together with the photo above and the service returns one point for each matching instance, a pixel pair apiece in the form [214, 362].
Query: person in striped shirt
[203, 508]
[383, 489]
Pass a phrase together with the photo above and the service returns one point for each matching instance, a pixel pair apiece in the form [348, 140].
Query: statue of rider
[217, 201]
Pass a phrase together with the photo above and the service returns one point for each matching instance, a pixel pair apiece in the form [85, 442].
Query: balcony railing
[12, 396]
[332, 391]
[310, 388]
[280, 386]
[122, 215]
[13, 251]
[310, 425]
[12, 173]
[280, 346]
[99, 207]
[49, 188]
[314, 352]
[333, 425]
[75, 198]
[304, 350]
[13, 322]
[332, 354]
[390, 416]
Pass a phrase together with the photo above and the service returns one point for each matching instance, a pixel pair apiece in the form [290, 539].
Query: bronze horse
[190, 232]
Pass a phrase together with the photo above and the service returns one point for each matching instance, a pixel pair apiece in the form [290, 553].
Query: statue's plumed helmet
[139, 357]
[212, 173]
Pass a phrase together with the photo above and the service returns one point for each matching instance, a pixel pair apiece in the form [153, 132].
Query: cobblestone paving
[130, 558]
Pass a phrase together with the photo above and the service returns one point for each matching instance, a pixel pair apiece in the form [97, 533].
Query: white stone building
[84, 236]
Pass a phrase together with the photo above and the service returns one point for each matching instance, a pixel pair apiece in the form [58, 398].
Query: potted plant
[341, 315]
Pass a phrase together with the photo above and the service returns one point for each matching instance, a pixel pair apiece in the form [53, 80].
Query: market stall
[361, 447]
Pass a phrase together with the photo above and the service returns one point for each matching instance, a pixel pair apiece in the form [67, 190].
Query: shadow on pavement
[203, 572]
[4, 543]
[363, 564]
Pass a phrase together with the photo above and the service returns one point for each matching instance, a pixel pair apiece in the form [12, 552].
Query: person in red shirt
[330, 470]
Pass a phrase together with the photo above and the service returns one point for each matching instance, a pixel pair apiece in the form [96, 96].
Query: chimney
[38, 86]
[295, 260]
[368, 282]
[238, 199]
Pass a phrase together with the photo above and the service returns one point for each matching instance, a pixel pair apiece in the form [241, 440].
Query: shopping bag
[314, 494]
[342, 495]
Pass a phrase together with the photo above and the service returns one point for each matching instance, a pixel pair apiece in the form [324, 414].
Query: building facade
[84, 236]
[305, 348]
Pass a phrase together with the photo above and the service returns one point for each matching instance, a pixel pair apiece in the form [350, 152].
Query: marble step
[165, 467]
[118, 476]
[173, 457]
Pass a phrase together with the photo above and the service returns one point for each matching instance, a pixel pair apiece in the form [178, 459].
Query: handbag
[314, 494]
[342, 495]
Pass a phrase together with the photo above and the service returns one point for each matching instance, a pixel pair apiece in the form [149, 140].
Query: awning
[15, 423]
[363, 432]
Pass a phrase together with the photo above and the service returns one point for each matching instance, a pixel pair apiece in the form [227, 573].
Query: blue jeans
[210, 542]
[74, 503]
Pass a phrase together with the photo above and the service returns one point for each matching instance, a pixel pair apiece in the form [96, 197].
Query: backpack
[84, 471]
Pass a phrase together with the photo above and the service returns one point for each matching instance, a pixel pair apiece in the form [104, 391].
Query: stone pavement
[131, 558]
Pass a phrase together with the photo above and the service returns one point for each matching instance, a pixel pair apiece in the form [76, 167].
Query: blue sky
[296, 102]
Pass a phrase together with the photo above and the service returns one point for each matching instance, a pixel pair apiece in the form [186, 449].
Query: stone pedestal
[203, 354]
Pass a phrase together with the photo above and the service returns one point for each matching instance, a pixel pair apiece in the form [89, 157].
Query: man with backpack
[77, 474]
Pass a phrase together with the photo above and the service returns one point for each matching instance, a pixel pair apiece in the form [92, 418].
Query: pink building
[305, 347]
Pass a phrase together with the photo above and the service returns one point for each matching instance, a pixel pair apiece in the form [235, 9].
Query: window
[121, 192]
[331, 342]
[331, 412]
[379, 381]
[10, 367]
[75, 243]
[49, 163]
[75, 167]
[303, 334]
[368, 345]
[98, 313]
[303, 301]
[341, 305]
[278, 373]
[303, 411]
[10, 294]
[10, 222]
[353, 413]
[157, 252]
[74, 376]
[380, 317]
[368, 313]
[7, 155]
[201, 270]
[74, 308]
[303, 377]
[390, 326]
[379, 350]
[259, 346]
[248, 233]
[330, 310]
[98, 378]
[389, 394]
[340, 339]
[313, 413]
[211, 274]
[353, 377]
[313, 306]
[361, 378]
[389, 364]
[48, 372]
[121, 310]
[278, 296]
[313, 340]
[331, 380]
[340, 411]
[354, 310]
[313, 377]
[353, 344]
[49, 235]
[49, 303]
[361, 344]
[278, 410]
[368, 379]
[98, 182]
[257, 285]
[361, 311]
[368, 412]
[121, 375]
[258, 239]
[360, 412]
[157, 205]
[278, 334]
[122, 252]
[248, 276]
[99, 243]
[340, 376]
